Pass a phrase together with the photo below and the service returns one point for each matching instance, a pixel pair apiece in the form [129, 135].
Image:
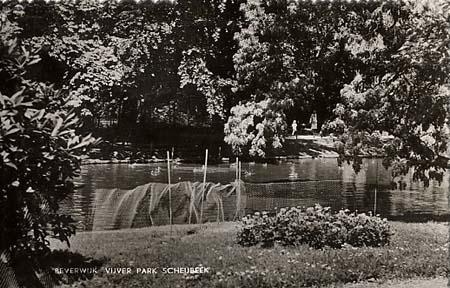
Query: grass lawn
[416, 251]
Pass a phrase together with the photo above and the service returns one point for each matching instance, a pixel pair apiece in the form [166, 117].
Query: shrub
[40, 154]
[315, 226]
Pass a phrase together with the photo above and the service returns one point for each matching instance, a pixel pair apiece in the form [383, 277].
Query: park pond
[299, 182]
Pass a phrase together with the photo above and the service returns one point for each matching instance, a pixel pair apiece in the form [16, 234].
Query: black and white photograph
[224, 143]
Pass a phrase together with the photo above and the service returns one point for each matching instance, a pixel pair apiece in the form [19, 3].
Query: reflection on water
[329, 184]
[293, 175]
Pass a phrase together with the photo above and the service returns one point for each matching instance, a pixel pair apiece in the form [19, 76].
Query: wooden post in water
[375, 196]
[239, 176]
[170, 191]
[204, 185]
[375, 203]
[237, 168]
[238, 193]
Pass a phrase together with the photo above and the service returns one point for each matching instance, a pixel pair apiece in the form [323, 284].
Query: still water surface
[355, 191]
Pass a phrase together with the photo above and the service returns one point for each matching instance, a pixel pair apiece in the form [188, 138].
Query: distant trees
[371, 66]
[295, 55]
[145, 64]
[209, 63]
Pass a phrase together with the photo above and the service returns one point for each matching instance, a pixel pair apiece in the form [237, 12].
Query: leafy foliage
[368, 67]
[255, 126]
[294, 52]
[193, 70]
[402, 90]
[377, 63]
[41, 151]
[92, 67]
[316, 226]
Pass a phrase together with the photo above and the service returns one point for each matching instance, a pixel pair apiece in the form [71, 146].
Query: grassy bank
[416, 250]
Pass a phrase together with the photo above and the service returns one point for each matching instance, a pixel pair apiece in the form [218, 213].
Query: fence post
[375, 196]
[204, 185]
[239, 177]
[170, 191]
[237, 168]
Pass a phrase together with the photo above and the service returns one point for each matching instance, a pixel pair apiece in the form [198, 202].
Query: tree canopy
[248, 68]
[403, 89]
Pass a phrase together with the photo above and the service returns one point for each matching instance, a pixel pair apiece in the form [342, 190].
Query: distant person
[313, 121]
[294, 129]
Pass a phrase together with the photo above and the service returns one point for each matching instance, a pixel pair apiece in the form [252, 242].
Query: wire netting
[269, 196]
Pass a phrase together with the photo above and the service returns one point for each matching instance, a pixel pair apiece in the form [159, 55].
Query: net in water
[150, 204]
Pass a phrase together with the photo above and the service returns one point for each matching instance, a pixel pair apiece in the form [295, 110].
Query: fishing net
[153, 204]
[7, 277]
[115, 208]
[193, 202]
[269, 196]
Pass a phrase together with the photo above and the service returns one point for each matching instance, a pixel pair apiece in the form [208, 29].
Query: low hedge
[315, 226]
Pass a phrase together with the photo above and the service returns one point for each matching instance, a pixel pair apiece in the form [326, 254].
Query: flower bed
[315, 226]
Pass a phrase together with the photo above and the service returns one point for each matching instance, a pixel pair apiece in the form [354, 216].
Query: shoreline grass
[417, 250]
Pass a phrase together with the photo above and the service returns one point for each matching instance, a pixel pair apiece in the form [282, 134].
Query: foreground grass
[416, 251]
[439, 282]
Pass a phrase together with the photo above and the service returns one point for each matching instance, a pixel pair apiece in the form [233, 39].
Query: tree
[205, 31]
[403, 91]
[133, 63]
[261, 52]
[261, 117]
[287, 54]
[78, 43]
[41, 152]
